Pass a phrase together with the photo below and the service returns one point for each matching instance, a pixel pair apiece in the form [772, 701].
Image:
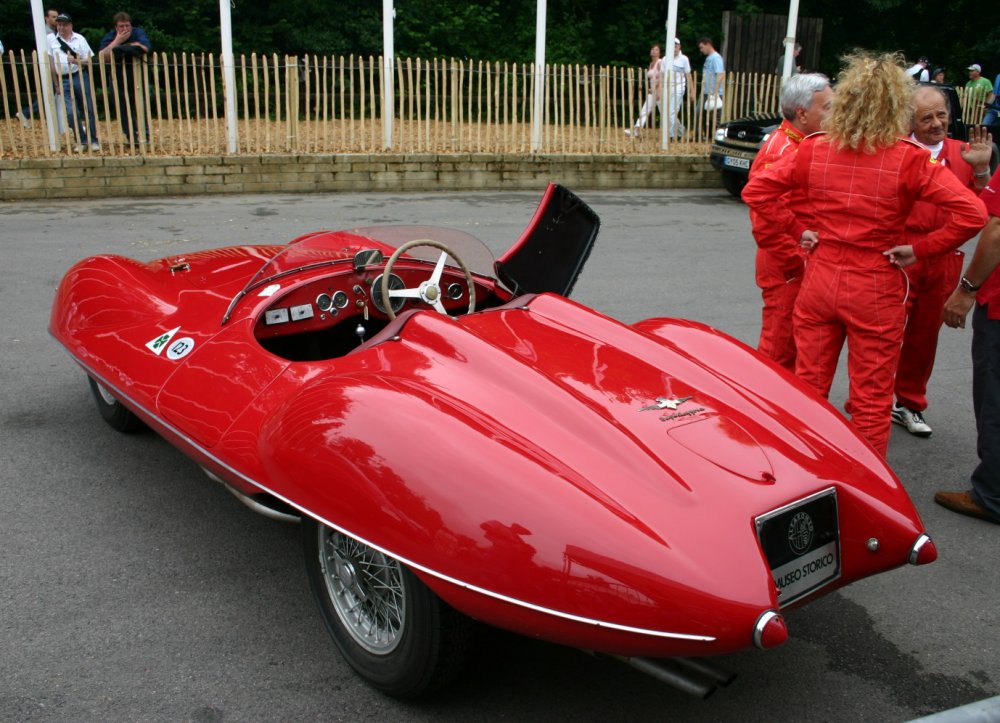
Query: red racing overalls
[858, 203]
[779, 265]
[931, 282]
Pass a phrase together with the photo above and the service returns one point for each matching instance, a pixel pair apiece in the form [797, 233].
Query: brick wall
[105, 176]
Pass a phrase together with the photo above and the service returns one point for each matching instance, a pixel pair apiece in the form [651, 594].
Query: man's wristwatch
[984, 174]
[968, 285]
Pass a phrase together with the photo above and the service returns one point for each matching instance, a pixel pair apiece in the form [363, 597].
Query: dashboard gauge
[324, 302]
[340, 300]
[395, 283]
[455, 291]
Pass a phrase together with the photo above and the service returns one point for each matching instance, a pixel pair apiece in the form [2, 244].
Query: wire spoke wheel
[366, 589]
[390, 627]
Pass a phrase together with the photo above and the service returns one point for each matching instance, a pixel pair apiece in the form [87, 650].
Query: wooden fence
[318, 104]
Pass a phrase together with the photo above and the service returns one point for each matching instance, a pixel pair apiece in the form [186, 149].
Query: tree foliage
[599, 32]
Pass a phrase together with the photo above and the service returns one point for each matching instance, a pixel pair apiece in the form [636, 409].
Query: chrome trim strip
[409, 563]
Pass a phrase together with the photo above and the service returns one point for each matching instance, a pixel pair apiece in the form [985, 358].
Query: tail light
[770, 630]
[924, 550]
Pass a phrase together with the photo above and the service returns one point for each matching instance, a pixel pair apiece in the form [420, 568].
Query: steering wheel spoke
[439, 268]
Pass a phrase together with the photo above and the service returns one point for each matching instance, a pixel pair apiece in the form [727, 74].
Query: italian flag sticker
[158, 344]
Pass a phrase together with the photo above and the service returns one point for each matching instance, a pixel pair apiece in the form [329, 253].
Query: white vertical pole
[228, 73]
[793, 21]
[388, 61]
[539, 99]
[669, 81]
[44, 69]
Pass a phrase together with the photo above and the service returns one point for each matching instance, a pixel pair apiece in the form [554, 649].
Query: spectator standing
[858, 183]
[978, 87]
[654, 81]
[124, 47]
[937, 76]
[29, 112]
[918, 71]
[805, 103]
[932, 279]
[71, 56]
[980, 288]
[993, 103]
[713, 76]
[796, 68]
[681, 79]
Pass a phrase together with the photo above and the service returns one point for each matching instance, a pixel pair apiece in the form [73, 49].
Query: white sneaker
[913, 421]
[628, 133]
[79, 148]
[25, 123]
[95, 146]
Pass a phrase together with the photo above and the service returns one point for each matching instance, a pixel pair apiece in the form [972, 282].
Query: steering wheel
[429, 291]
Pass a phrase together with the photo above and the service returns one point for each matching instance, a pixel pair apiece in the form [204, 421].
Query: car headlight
[720, 134]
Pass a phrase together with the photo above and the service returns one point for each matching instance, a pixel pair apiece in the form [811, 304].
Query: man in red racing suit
[858, 183]
[805, 103]
[980, 288]
[932, 280]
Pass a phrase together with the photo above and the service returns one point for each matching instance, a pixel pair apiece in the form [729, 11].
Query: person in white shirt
[681, 77]
[71, 56]
[918, 71]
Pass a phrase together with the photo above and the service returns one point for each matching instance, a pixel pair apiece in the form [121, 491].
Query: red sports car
[461, 442]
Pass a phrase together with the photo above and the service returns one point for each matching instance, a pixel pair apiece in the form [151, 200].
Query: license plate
[802, 544]
[736, 162]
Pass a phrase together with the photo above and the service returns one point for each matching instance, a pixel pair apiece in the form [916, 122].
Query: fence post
[228, 74]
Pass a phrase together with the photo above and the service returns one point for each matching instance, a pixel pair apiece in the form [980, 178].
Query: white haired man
[805, 103]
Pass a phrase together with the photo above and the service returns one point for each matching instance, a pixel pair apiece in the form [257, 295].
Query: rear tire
[395, 633]
[734, 183]
[112, 411]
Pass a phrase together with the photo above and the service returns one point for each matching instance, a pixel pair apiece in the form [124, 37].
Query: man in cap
[978, 87]
[71, 56]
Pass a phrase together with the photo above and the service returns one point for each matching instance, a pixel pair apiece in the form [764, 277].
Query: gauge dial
[324, 302]
[395, 283]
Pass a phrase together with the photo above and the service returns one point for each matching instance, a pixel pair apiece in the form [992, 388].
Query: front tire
[112, 411]
[734, 183]
[395, 633]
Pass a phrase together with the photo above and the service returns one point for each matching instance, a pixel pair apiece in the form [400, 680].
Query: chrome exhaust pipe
[694, 677]
[707, 669]
[259, 507]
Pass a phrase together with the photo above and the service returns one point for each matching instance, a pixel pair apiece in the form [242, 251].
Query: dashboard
[327, 301]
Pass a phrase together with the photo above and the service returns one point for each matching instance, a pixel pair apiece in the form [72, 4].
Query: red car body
[639, 490]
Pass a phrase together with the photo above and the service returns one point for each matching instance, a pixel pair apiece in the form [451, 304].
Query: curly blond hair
[872, 105]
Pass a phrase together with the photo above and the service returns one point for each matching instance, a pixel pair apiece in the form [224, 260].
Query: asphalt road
[132, 588]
